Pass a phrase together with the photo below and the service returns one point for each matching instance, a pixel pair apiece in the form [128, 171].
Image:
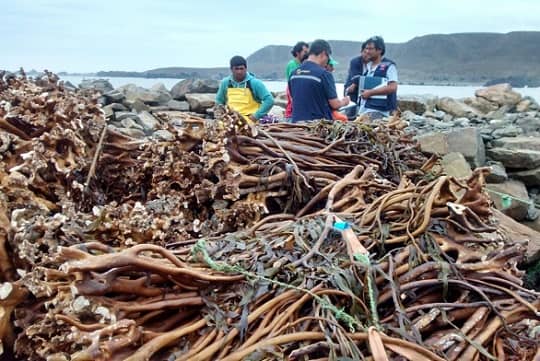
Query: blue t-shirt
[311, 87]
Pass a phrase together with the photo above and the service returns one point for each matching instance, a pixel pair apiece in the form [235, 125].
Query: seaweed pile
[232, 242]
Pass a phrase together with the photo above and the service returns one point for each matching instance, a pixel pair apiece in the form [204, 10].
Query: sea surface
[275, 86]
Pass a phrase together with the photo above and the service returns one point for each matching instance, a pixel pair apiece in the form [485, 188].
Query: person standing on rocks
[379, 102]
[313, 88]
[244, 93]
[357, 67]
[299, 53]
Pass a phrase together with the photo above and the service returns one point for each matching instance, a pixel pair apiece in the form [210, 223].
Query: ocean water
[276, 86]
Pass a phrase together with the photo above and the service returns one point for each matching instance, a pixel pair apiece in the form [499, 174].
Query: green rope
[506, 199]
[200, 249]
[364, 260]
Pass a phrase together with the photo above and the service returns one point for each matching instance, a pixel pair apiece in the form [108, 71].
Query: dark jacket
[356, 68]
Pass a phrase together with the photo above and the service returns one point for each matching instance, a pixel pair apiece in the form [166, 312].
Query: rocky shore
[497, 127]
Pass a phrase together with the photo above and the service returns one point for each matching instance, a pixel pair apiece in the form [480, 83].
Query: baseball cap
[332, 61]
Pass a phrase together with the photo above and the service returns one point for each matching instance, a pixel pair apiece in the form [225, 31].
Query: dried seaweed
[276, 241]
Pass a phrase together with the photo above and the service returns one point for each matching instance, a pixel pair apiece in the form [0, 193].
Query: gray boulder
[114, 96]
[466, 141]
[130, 123]
[277, 111]
[531, 177]
[508, 131]
[191, 86]
[200, 102]
[516, 205]
[101, 85]
[529, 124]
[417, 104]
[178, 105]
[113, 107]
[481, 104]
[280, 99]
[523, 105]
[455, 165]
[456, 107]
[150, 97]
[123, 115]
[499, 113]
[501, 94]
[517, 152]
[159, 87]
[148, 122]
[132, 132]
[164, 135]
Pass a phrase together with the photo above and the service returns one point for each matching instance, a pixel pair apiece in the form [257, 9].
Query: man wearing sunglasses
[244, 93]
[313, 88]
[380, 101]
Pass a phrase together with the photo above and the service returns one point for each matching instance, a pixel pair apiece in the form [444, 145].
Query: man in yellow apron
[244, 93]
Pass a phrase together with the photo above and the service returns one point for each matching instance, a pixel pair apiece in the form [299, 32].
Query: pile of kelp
[277, 242]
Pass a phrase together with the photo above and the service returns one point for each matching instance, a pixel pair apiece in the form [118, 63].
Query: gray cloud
[144, 34]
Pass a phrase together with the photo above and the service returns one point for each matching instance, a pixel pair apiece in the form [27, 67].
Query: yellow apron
[241, 100]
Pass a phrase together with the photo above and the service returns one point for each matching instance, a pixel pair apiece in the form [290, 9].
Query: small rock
[163, 134]
[131, 132]
[280, 99]
[462, 122]
[148, 121]
[130, 123]
[509, 131]
[178, 105]
[511, 117]
[114, 96]
[159, 87]
[498, 173]
[277, 111]
[123, 115]
[137, 105]
[455, 165]
[439, 114]
[499, 113]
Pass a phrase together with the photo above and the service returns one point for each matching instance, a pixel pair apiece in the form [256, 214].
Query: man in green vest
[244, 93]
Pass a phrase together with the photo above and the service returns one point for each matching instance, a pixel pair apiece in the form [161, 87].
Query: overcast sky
[93, 35]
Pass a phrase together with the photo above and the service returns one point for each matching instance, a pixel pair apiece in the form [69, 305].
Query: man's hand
[365, 94]
[253, 119]
[346, 100]
[351, 88]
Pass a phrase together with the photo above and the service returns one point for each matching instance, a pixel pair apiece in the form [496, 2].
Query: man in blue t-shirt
[313, 89]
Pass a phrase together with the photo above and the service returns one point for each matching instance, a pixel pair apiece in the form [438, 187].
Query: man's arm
[388, 89]
[338, 103]
[264, 96]
[221, 95]
[329, 86]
